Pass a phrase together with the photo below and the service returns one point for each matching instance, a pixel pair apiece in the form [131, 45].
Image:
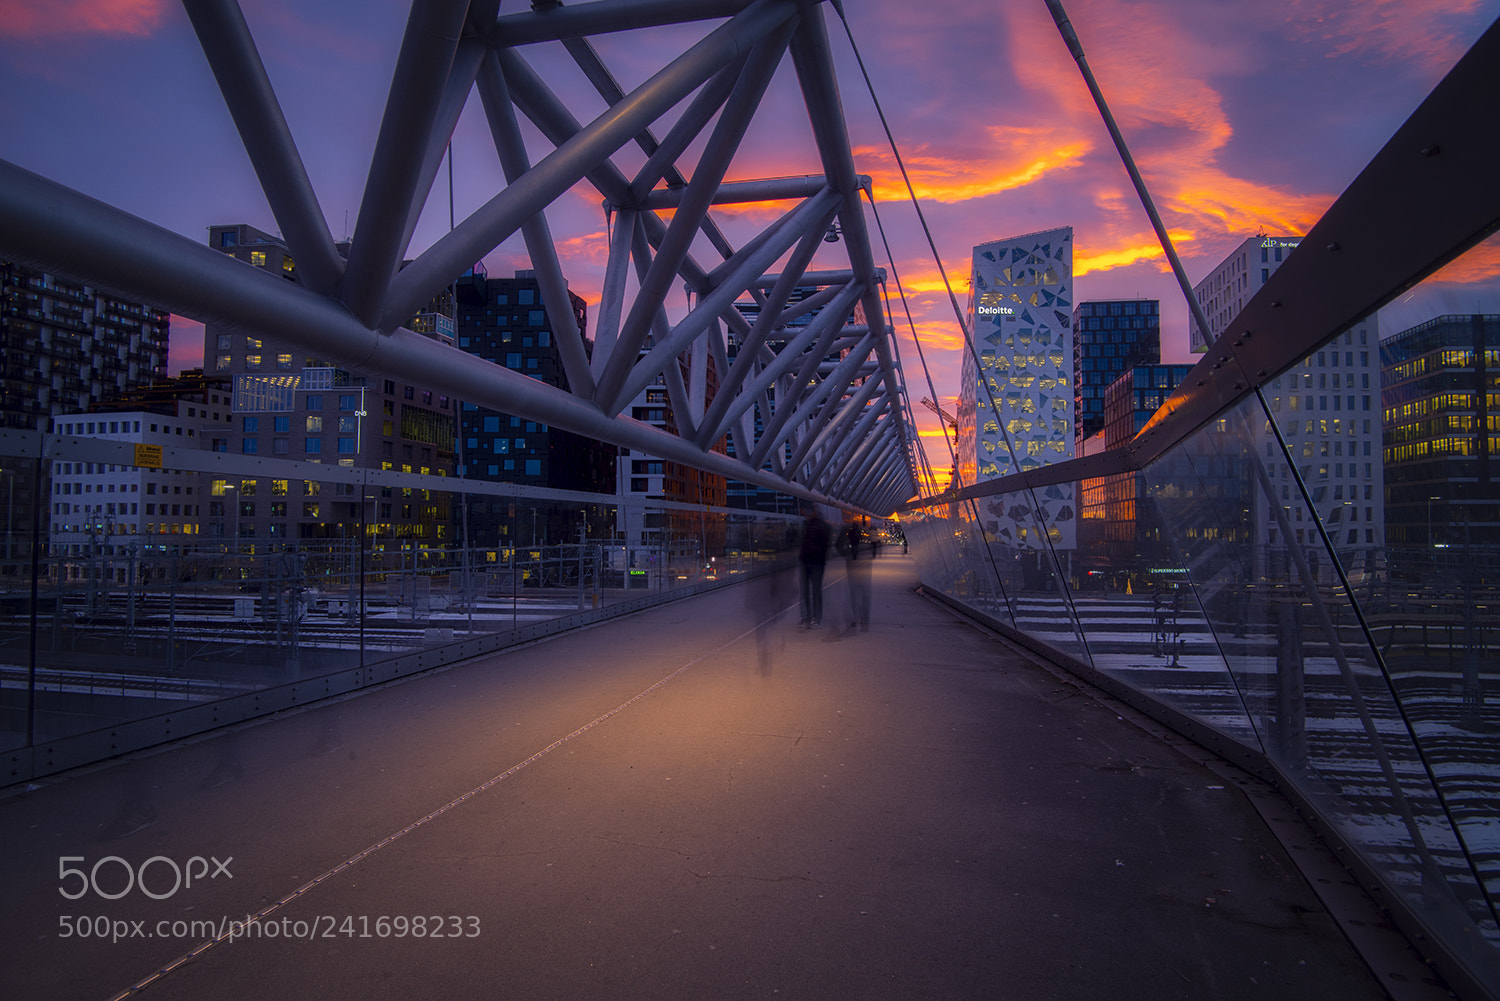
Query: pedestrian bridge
[1154, 752]
[696, 799]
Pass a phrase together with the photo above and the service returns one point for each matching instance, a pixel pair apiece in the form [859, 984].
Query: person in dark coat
[814, 557]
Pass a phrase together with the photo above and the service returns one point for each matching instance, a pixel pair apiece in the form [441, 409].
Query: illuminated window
[252, 363]
[221, 362]
[283, 361]
[258, 258]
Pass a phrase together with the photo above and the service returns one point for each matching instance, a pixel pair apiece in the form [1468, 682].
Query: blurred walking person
[814, 557]
[854, 544]
[768, 597]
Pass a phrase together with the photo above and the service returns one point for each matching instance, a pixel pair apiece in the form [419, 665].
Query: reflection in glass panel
[244, 593]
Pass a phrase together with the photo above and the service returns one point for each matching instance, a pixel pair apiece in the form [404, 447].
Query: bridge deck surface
[651, 809]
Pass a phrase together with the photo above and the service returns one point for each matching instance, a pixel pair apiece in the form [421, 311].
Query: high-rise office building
[1020, 394]
[291, 405]
[1109, 337]
[1440, 393]
[1326, 408]
[64, 346]
[1226, 289]
[505, 321]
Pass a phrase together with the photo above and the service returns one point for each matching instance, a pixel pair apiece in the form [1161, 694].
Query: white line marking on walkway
[266, 911]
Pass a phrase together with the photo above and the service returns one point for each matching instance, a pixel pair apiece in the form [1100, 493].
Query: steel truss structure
[814, 408]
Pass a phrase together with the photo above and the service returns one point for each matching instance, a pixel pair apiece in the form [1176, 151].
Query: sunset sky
[1244, 118]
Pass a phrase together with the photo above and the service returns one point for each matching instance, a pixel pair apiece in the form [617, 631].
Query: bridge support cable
[1257, 464]
[958, 313]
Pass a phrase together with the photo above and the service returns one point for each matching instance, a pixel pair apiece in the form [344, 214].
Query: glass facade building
[1109, 337]
[505, 321]
[1440, 392]
[1015, 405]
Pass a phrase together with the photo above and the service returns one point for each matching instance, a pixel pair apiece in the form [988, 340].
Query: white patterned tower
[1020, 313]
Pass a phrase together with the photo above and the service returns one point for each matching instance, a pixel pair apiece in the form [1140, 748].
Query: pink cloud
[1392, 30]
[37, 19]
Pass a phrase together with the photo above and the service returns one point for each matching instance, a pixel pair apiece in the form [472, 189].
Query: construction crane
[944, 416]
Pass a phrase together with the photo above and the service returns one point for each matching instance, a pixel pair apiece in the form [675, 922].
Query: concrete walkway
[675, 805]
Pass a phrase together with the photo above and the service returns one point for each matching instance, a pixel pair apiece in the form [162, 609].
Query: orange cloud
[936, 334]
[1120, 257]
[1481, 264]
[922, 277]
[1015, 157]
[1220, 203]
[37, 19]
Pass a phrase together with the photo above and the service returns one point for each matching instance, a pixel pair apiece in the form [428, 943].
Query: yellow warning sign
[148, 456]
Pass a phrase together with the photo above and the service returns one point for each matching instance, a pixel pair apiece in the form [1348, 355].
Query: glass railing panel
[1313, 686]
[159, 588]
[929, 539]
[1030, 564]
[1194, 542]
[1142, 622]
[1431, 594]
[1015, 580]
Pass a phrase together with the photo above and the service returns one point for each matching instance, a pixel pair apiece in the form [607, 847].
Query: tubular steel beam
[616, 273]
[793, 413]
[634, 378]
[662, 160]
[728, 407]
[737, 192]
[252, 103]
[417, 88]
[808, 347]
[466, 62]
[352, 313]
[851, 440]
[717, 155]
[553, 23]
[814, 62]
[502, 215]
[604, 82]
[539, 245]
